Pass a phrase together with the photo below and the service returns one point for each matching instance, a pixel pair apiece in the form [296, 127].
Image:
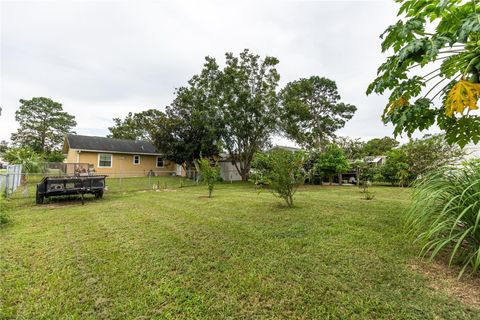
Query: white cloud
[102, 59]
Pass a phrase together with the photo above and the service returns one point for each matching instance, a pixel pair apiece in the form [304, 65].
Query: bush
[445, 214]
[417, 158]
[3, 215]
[331, 162]
[30, 160]
[282, 170]
[209, 174]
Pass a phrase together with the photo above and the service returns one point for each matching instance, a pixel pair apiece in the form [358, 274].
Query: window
[160, 162]
[136, 159]
[104, 160]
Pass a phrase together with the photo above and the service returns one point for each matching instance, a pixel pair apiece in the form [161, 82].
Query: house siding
[122, 164]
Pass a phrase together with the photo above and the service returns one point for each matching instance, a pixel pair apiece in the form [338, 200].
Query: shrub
[445, 214]
[417, 158]
[282, 170]
[367, 173]
[208, 173]
[331, 162]
[3, 215]
[30, 160]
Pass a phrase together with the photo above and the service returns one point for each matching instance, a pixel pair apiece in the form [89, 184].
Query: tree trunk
[330, 179]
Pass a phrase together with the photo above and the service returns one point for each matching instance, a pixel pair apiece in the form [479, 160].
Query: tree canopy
[433, 76]
[418, 157]
[234, 107]
[43, 124]
[311, 111]
[137, 126]
[191, 126]
[331, 162]
[379, 146]
[282, 170]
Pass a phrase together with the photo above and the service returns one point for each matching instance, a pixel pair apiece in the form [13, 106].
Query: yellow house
[118, 157]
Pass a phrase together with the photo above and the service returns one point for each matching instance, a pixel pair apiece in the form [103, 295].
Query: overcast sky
[102, 59]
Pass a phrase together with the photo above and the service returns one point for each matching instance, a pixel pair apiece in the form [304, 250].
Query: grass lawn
[242, 254]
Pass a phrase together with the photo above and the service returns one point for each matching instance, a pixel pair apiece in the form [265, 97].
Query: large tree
[247, 106]
[379, 146]
[191, 126]
[353, 148]
[432, 74]
[137, 126]
[42, 124]
[237, 104]
[312, 111]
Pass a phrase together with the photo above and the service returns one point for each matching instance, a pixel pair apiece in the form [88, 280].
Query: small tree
[282, 170]
[209, 174]
[331, 162]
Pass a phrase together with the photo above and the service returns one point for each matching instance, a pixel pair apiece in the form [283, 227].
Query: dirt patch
[445, 279]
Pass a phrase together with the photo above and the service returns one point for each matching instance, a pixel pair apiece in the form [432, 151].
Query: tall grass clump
[445, 214]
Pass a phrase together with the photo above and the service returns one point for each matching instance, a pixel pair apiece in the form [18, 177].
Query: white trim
[123, 152]
[133, 159]
[156, 162]
[111, 160]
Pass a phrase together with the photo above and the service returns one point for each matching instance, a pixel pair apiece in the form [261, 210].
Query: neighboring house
[287, 148]
[118, 157]
[376, 160]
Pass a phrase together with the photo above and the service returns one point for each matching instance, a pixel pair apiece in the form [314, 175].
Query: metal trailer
[70, 185]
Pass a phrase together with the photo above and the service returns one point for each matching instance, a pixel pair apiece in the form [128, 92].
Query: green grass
[242, 254]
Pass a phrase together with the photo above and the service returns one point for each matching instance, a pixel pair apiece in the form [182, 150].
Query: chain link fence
[116, 183]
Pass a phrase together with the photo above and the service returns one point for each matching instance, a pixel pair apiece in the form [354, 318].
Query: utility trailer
[76, 185]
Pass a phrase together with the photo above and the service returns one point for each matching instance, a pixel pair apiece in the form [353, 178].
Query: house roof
[287, 148]
[102, 144]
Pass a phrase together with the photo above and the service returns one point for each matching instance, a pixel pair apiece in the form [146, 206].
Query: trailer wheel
[39, 198]
[99, 194]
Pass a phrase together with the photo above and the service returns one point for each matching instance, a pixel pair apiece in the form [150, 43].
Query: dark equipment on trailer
[75, 181]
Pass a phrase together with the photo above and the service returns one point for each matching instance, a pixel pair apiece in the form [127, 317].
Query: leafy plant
[417, 157]
[4, 218]
[30, 160]
[452, 50]
[209, 174]
[331, 162]
[445, 214]
[368, 195]
[281, 170]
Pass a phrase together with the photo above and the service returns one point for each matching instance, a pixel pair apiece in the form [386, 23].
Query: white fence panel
[3, 181]
[13, 178]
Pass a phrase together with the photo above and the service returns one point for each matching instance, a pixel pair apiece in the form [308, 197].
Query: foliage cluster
[445, 214]
[331, 162]
[209, 174]
[414, 159]
[451, 50]
[282, 170]
[42, 125]
[30, 159]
